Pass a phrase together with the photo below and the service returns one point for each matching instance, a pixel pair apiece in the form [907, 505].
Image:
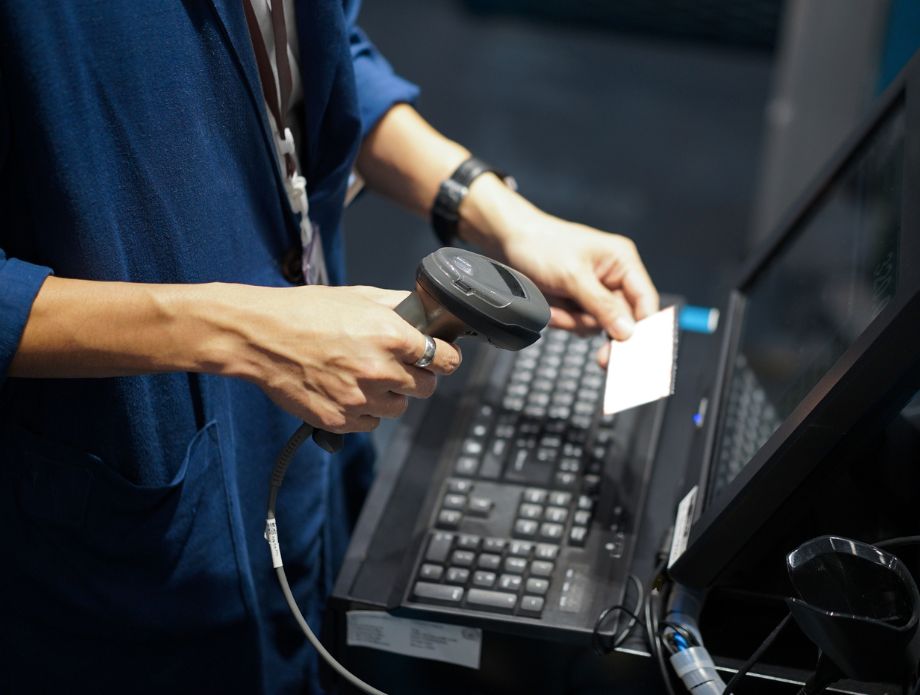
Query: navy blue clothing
[135, 146]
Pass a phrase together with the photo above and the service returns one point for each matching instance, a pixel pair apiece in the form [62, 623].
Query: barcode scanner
[458, 294]
[461, 294]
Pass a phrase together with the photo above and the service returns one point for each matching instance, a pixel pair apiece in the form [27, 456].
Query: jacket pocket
[122, 557]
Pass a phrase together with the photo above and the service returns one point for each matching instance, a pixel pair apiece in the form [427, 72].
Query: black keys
[495, 600]
[462, 558]
[532, 604]
[457, 575]
[439, 547]
[487, 561]
[431, 572]
[437, 592]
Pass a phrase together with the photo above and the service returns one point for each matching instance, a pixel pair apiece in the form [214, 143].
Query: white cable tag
[271, 535]
[682, 523]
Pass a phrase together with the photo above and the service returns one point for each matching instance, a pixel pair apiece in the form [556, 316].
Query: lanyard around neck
[278, 98]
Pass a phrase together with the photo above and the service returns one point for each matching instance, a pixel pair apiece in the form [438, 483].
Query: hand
[592, 279]
[338, 357]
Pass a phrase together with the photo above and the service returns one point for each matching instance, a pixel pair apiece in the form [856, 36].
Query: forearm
[405, 159]
[81, 328]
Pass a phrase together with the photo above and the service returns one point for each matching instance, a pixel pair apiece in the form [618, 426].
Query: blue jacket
[134, 145]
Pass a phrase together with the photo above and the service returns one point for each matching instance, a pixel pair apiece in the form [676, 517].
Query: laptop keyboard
[525, 483]
[750, 421]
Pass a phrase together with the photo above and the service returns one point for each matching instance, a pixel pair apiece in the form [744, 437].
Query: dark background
[650, 134]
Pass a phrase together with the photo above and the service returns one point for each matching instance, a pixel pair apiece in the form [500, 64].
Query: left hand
[592, 279]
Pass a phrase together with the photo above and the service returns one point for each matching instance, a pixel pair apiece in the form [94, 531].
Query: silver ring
[428, 355]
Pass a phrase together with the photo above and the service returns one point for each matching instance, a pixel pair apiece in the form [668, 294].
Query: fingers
[573, 320]
[609, 307]
[415, 382]
[411, 347]
[603, 355]
[640, 291]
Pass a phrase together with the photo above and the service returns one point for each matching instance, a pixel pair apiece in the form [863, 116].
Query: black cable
[271, 535]
[654, 639]
[755, 657]
[615, 641]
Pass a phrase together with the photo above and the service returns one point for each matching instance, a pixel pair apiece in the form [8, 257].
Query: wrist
[492, 216]
[213, 324]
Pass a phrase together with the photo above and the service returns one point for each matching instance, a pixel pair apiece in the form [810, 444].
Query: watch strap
[445, 213]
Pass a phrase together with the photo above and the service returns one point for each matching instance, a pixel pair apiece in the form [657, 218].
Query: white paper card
[642, 368]
[453, 644]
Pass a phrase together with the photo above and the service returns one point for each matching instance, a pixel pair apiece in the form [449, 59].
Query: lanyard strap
[277, 102]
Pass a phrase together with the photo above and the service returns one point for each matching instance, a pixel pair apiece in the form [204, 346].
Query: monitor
[823, 336]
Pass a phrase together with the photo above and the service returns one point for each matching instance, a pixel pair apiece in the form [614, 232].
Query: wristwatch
[445, 213]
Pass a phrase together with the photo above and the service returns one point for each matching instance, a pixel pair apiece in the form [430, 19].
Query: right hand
[339, 358]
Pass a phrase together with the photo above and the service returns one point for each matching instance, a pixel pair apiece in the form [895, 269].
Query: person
[156, 347]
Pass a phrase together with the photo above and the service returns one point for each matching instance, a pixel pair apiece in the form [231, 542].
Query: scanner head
[459, 293]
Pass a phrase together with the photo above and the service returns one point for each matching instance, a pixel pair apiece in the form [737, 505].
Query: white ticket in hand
[643, 368]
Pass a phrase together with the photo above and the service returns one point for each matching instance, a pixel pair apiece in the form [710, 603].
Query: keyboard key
[484, 579]
[449, 518]
[557, 515]
[458, 486]
[570, 465]
[437, 592]
[515, 565]
[431, 572]
[560, 499]
[578, 535]
[582, 517]
[520, 548]
[452, 501]
[546, 551]
[439, 547]
[462, 558]
[585, 502]
[466, 465]
[530, 511]
[457, 575]
[493, 545]
[525, 467]
[566, 480]
[510, 582]
[536, 586]
[532, 604]
[540, 568]
[550, 531]
[535, 496]
[525, 527]
[479, 506]
[488, 561]
[591, 484]
[472, 447]
[479, 430]
[495, 600]
[468, 541]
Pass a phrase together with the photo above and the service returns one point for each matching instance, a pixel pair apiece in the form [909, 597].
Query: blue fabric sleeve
[379, 88]
[19, 283]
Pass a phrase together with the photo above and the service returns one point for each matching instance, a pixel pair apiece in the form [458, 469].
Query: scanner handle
[412, 309]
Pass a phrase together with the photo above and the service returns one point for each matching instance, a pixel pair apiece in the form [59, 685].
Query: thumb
[609, 307]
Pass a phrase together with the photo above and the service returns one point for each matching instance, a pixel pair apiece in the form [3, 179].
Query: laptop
[510, 502]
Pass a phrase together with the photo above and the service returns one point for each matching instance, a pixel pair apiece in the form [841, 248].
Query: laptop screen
[811, 301]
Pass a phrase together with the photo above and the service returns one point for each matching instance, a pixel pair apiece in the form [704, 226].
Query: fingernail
[624, 326]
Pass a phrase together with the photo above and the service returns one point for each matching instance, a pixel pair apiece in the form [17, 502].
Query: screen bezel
[881, 361]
